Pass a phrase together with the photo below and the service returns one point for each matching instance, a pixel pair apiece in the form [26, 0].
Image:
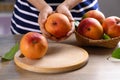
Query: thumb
[70, 17]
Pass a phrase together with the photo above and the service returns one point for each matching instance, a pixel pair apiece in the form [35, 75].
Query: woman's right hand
[44, 13]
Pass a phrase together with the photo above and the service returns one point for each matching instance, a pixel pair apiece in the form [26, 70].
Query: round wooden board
[59, 58]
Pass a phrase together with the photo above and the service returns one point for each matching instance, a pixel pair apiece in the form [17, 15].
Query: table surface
[97, 68]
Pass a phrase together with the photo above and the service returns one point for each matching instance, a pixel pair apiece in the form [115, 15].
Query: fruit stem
[34, 41]
[54, 23]
[118, 21]
[88, 29]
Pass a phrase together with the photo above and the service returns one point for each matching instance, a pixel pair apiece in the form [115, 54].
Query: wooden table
[97, 68]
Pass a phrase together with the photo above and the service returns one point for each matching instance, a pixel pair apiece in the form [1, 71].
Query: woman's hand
[65, 10]
[44, 13]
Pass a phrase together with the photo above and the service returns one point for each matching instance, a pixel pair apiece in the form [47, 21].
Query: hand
[44, 13]
[69, 33]
[64, 10]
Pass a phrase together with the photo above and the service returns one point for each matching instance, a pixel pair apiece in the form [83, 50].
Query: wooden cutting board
[59, 58]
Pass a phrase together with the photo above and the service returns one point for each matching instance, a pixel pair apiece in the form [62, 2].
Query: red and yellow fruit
[95, 14]
[58, 25]
[111, 26]
[33, 45]
[90, 28]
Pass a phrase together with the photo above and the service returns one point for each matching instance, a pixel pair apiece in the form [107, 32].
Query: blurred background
[108, 7]
[6, 8]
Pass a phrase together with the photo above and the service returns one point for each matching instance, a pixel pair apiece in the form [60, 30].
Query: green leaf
[116, 53]
[76, 23]
[106, 37]
[10, 54]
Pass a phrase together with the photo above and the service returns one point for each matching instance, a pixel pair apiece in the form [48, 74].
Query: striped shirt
[25, 15]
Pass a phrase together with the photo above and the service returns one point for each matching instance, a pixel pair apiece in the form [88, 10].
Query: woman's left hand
[64, 10]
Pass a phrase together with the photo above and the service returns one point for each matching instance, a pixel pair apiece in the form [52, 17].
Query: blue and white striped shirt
[25, 15]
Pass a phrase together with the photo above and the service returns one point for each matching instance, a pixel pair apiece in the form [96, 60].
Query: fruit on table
[111, 26]
[90, 28]
[95, 14]
[33, 45]
[58, 25]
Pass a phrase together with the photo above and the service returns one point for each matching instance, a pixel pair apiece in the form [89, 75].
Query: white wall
[110, 7]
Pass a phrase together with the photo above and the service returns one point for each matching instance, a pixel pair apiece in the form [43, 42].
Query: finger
[72, 30]
[45, 33]
[43, 18]
[62, 39]
[53, 38]
[41, 21]
[69, 15]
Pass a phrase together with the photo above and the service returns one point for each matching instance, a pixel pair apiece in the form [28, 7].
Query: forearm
[71, 3]
[39, 4]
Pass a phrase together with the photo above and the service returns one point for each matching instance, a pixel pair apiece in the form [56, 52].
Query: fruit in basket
[95, 14]
[33, 45]
[58, 25]
[90, 28]
[111, 26]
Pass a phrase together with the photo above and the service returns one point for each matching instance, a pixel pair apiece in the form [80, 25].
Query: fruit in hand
[111, 26]
[33, 45]
[58, 25]
[90, 28]
[95, 14]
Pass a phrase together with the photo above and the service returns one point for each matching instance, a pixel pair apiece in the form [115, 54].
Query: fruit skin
[33, 45]
[95, 14]
[90, 28]
[58, 25]
[111, 26]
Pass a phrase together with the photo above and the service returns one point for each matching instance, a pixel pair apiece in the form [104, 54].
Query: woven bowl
[83, 41]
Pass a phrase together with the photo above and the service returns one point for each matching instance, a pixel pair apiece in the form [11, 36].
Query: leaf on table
[10, 54]
[116, 53]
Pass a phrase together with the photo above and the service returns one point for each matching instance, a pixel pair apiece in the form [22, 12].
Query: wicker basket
[83, 41]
